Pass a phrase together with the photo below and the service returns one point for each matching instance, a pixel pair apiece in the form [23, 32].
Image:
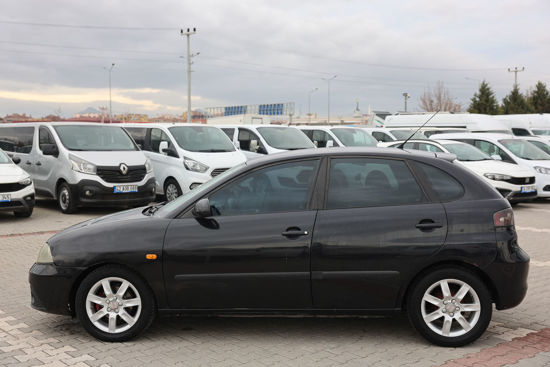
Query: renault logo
[123, 168]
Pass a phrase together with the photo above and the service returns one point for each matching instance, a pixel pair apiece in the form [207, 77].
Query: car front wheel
[450, 307]
[114, 304]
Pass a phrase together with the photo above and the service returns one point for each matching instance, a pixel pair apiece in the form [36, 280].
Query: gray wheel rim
[64, 198]
[113, 305]
[171, 192]
[447, 313]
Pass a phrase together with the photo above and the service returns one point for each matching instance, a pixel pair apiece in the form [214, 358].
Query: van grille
[521, 180]
[11, 187]
[113, 174]
[217, 171]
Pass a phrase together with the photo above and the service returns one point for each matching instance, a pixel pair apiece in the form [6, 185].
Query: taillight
[504, 218]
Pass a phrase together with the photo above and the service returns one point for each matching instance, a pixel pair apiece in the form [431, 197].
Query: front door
[375, 230]
[45, 165]
[254, 251]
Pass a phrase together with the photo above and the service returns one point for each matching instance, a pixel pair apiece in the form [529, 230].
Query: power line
[82, 26]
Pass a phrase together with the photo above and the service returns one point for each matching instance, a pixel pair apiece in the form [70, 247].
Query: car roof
[160, 124]
[488, 136]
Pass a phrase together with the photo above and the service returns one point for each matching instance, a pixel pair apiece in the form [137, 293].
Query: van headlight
[543, 170]
[26, 181]
[497, 177]
[148, 165]
[193, 165]
[80, 165]
[45, 255]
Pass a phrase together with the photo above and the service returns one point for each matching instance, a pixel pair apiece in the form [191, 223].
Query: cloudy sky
[54, 53]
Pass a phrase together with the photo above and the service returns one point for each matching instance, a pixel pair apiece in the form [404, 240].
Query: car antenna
[417, 130]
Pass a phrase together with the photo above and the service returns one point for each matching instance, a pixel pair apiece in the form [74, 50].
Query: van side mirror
[202, 208]
[330, 144]
[254, 146]
[163, 147]
[49, 149]
[16, 160]
[496, 157]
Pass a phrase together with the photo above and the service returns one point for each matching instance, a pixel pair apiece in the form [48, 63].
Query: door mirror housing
[202, 208]
[330, 144]
[163, 147]
[496, 157]
[16, 160]
[49, 149]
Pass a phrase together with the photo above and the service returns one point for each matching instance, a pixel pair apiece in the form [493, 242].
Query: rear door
[376, 229]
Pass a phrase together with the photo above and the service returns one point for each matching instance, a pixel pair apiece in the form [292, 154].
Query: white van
[184, 156]
[474, 122]
[81, 164]
[16, 187]
[338, 136]
[255, 140]
[386, 135]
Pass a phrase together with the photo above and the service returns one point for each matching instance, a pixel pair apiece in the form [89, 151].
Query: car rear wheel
[114, 304]
[172, 189]
[65, 199]
[450, 307]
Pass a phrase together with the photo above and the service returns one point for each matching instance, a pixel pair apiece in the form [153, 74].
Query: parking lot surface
[520, 336]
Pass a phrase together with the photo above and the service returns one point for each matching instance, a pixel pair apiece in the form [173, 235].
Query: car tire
[24, 213]
[172, 189]
[66, 200]
[450, 307]
[109, 313]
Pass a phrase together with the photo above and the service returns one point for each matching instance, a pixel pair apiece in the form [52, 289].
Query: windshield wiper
[214, 150]
[151, 210]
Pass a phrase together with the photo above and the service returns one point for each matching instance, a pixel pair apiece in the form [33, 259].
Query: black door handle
[294, 232]
[28, 163]
[426, 226]
[38, 163]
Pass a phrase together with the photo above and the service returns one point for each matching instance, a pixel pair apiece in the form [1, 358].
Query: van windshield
[94, 138]
[202, 139]
[287, 138]
[541, 131]
[405, 134]
[354, 137]
[525, 150]
[466, 152]
[4, 158]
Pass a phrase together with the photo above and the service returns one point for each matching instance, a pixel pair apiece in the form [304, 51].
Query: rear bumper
[51, 287]
[93, 193]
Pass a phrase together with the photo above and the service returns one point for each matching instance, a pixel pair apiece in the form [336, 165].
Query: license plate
[5, 198]
[121, 189]
[526, 189]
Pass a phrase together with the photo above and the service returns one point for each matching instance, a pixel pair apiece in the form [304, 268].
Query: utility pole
[516, 70]
[328, 107]
[188, 34]
[406, 96]
[110, 95]
[309, 104]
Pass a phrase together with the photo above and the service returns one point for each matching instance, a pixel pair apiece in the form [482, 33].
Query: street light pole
[328, 107]
[406, 96]
[189, 56]
[309, 104]
[110, 94]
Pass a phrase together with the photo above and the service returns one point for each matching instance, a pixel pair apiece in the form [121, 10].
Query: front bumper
[21, 200]
[52, 287]
[91, 193]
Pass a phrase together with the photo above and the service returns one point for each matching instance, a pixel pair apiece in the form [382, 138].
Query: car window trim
[425, 200]
[187, 212]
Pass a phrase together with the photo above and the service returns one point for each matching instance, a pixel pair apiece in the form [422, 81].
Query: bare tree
[439, 99]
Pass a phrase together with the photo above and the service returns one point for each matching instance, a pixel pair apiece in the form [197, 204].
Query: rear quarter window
[446, 187]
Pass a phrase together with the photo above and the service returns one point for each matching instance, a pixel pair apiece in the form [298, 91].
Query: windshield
[354, 137]
[202, 139]
[285, 138]
[541, 145]
[466, 152]
[94, 138]
[524, 149]
[4, 158]
[541, 131]
[405, 134]
[198, 191]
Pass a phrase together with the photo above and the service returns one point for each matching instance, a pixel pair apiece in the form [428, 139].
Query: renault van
[81, 164]
[338, 136]
[184, 156]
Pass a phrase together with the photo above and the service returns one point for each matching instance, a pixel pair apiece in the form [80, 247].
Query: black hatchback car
[324, 231]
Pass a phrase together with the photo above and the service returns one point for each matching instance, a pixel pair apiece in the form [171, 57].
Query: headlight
[194, 166]
[148, 165]
[26, 181]
[497, 177]
[543, 170]
[45, 255]
[80, 165]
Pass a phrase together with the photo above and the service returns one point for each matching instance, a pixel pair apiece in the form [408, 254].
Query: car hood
[218, 160]
[112, 158]
[492, 166]
[10, 172]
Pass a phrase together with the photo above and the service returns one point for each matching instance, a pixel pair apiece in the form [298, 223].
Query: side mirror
[50, 149]
[496, 157]
[163, 147]
[330, 144]
[254, 146]
[16, 160]
[202, 208]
